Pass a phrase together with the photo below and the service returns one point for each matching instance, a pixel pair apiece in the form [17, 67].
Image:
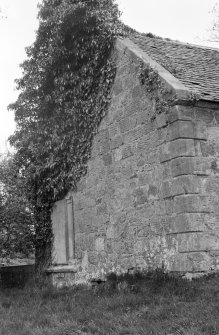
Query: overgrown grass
[151, 303]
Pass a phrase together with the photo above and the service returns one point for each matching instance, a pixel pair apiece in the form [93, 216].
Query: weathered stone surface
[191, 222]
[193, 262]
[116, 142]
[193, 204]
[99, 244]
[190, 165]
[181, 113]
[151, 193]
[186, 129]
[161, 120]
[184, 184]
[177, 148]
[127, 124]
[200, 241]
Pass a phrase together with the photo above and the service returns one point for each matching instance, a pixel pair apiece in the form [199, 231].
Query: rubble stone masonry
[150, 197]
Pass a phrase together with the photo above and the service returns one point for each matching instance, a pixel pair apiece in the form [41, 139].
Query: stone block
[93, 258]
[149, 127]
[193, 204]
[216, 114]
[114, 129]
[79, 204]
[190, 165]
[153, 192]
[138, 92]
[215, 166]
[102, 135]
[139, 246]
[142, 116]
[204, 115]
[130, 106]
[127, 151]
[111, 231]
[90, 202]
[81, 185]
[143, 144]
[140, 197]
[102, 208]
[144, 178]
[191, 262]
[117, 87]
[186, 129]
[166, 170]
[90, 241]
[118, 154]
[107, 159]
[177, 148]
[185, 184]
[213, 133]
[198, 241]
[162, 135]
[211, 147]
[212, 185]
[166, 190]
[190, 222]
[161, 120]
[128, 123]
[214, 253]
[116, 142]
[134, 134]
[181, 113]
[104, 146]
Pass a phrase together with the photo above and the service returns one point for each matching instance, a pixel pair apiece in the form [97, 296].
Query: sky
[183, 20]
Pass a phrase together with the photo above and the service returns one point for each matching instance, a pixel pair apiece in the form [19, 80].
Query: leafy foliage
[65, 90]
[16, 218]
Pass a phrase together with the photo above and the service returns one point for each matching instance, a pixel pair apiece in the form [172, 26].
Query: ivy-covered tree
[65, 89]
[16, 218]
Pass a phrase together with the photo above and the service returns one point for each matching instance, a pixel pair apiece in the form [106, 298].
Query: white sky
[184, 20]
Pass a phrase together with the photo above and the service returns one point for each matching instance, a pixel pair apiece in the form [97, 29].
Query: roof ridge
[168, 40]
[197, 67]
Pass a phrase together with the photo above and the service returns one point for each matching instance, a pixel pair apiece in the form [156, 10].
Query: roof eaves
[179, 91]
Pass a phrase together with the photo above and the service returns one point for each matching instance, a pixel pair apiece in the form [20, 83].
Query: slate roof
[195, 66]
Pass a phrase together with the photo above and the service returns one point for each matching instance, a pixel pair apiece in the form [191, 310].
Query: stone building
[150, 197]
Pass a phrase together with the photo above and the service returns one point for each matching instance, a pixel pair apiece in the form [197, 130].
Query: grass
[141, 304]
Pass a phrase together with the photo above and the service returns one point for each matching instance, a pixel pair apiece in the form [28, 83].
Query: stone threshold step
[62, 269]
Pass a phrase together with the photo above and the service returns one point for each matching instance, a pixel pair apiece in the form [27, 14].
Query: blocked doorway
[63, 231]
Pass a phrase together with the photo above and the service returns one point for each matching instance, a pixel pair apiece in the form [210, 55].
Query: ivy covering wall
[64, 94]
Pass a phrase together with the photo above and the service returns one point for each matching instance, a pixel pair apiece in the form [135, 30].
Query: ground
[149, 304]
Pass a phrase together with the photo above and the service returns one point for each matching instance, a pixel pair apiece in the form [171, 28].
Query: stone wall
[150, 195]
[118, 209]
[191, 187]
